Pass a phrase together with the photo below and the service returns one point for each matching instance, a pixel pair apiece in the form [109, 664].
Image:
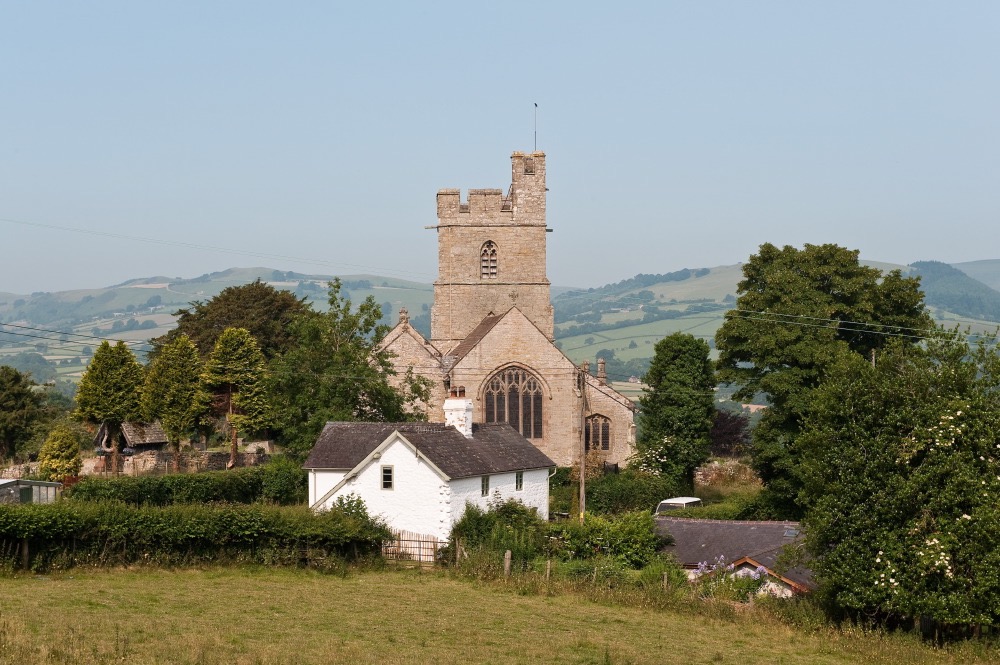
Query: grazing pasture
[257, 615]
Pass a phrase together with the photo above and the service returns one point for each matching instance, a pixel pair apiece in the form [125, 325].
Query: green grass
[292, 616]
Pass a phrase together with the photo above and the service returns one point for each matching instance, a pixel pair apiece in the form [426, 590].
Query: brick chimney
[602, 373]
[458, 411]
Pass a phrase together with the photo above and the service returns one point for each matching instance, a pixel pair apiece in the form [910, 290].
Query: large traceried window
[597, 433]
[488, 260]
[514, 396]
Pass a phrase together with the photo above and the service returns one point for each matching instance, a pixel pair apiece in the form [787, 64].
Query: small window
[387, 477]
[519, 481]
[486, 485]
[488, 260]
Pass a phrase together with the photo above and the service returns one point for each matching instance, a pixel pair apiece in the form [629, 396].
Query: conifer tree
[233, 385]
[170, 394]
[110, 391]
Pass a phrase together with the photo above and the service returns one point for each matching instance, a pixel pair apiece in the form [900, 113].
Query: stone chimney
[602, 372]
[458, 411]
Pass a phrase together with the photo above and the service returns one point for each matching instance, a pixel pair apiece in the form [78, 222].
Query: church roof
[493, 448]
[474, 337]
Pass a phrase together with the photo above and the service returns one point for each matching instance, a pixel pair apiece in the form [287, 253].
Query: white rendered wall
[418, 502]
[322, 481]
[534, 492]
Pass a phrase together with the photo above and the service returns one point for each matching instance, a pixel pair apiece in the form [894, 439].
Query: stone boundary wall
[147, 463]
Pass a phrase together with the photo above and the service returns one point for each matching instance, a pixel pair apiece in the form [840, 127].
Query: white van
[677, 503]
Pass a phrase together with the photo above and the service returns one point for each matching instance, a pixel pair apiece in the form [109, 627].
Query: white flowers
[966, 517]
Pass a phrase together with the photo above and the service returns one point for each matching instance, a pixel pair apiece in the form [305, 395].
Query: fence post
[25, 562]
[506, 563]
[548, 569]
[664, 581]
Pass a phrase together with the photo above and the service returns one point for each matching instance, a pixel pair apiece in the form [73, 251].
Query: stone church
[492, 327]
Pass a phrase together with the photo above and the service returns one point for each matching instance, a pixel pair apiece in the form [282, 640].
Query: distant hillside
[948, 288]
[987, 272]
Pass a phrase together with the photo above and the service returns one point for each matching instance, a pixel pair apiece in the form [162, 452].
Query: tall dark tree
[797, 311]
[677, 407]
[336, 370]
[233, 385]
[259, 308]
[730, 433]
[110, 391]
[20, 410]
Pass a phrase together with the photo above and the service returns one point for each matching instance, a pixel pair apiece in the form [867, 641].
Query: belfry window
[597, 433]
[514, 396]
[488, 260]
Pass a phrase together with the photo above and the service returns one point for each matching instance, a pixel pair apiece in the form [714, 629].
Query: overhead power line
[225, 250]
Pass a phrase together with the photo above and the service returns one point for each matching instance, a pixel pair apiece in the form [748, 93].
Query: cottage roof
[697, 540]
[493, 448]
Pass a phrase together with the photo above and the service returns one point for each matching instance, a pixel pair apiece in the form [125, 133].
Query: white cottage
[420, 476]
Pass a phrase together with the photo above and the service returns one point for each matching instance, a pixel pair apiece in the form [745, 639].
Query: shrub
[628, 491]
[630, 538]
[60, 454]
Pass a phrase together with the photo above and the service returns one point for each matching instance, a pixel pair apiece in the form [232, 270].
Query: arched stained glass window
[488, 260]
[514, 396]
[597, 432]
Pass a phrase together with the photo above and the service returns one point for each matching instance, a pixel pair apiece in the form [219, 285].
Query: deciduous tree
[797, 311]
[901, 472]
[336, 371]
[677, 407]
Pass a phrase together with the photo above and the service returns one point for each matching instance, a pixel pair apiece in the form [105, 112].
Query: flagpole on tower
[536, 126]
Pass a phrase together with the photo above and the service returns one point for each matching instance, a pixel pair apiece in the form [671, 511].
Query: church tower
[491, 255]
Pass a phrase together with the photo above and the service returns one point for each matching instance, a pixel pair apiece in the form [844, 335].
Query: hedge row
[280, 481]
[73, 533]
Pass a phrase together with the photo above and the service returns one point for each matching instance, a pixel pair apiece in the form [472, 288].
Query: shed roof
[493, 448]
[697, 541]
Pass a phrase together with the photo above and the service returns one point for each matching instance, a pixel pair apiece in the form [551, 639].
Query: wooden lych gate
[416, 547]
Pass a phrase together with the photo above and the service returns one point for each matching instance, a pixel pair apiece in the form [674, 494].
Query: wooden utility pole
[583, 446]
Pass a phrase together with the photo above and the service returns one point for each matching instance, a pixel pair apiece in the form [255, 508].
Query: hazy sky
[316, 134]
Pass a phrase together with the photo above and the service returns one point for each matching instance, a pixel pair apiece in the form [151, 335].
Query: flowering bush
[720, 579]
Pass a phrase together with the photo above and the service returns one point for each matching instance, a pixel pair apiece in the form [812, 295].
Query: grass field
[295, 616]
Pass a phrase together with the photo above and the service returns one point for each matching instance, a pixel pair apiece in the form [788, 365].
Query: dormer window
[488, 260]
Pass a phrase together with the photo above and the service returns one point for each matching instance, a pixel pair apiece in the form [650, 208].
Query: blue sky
[678, 134]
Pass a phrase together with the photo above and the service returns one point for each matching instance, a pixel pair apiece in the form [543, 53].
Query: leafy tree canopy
[20, 409]
[35, 364]
[797, 311]
[677, 406]
[901, 480]
[336, 370]
[259, 308]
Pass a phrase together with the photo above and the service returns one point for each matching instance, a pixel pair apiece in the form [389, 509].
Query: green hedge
[280, 481]
[74, 533]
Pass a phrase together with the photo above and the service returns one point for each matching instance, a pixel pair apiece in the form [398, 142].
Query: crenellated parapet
[522, 203]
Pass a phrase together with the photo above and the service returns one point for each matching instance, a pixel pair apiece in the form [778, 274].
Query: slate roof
[474, 338]
[697, 540]
[137, 434]
[493, 448]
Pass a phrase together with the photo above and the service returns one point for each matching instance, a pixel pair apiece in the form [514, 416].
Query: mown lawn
[294, 616]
